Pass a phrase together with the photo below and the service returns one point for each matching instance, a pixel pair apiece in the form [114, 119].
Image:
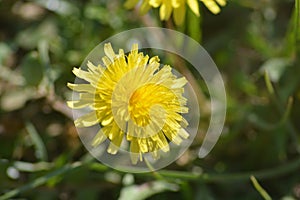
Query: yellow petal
[134, 48]
[89, 77]
[106, 121]
[134, 157]
[144, 61]
[115, 143]
[212, 6]
[87, 120]
[155, 3]
[184, 123]
[92, 68]
[144, 145]
[130, 3]
[182, 133]
[106, 61]
[155, 155]
[78, 104]
[183, 110]
[108, 50]
[134, 148]
[107, 131]
[145, 7]
[133, 57]
[179, 15]
[99, 138]
[194, 6]
[162, 142]
[179, 83]
[154, 59]
[177, 3]
[82, 87]
[177, 140]
[131, 128]
[165, 11]
[112, 149]
[134, 152]
[221, 2]
[87, 96]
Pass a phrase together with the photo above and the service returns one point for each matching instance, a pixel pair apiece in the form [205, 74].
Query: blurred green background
[255, 44]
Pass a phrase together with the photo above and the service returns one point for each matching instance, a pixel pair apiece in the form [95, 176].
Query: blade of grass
[260, 189]
[275, 125]
[40, 181]
[268, 83]
[40, 148]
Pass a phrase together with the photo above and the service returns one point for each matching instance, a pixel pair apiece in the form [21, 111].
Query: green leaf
[30, 37]
[96, 12]
[87, 193]
[15, 99]
[60, 7]
[4, 52]
[203, 192]
[32, 69]
[275, 67]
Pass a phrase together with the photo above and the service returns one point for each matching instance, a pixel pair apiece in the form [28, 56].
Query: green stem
[284, 111]
[27, 166]
[155, 174]
[260, 189]
[297, 26]
[262, 174]
[40, 181]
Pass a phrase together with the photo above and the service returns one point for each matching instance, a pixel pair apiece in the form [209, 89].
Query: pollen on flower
[134, 100]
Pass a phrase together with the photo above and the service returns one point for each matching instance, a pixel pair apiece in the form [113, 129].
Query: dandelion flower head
[134, 100]
[178, 7]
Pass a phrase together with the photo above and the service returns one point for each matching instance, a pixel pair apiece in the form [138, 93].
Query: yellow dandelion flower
[178, 7]
[134, 100]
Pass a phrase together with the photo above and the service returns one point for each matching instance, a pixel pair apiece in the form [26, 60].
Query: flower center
[146, 102]
[139, 105]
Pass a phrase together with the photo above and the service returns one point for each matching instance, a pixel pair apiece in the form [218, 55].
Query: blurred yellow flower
[178, 7]
[134, 100]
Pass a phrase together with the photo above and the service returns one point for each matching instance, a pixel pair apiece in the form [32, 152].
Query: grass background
[256, 46]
